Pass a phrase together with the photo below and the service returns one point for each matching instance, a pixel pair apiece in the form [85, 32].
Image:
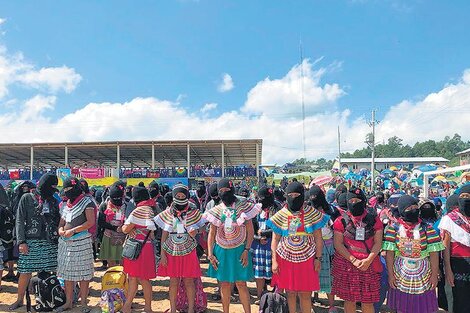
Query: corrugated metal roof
[133, 153]
[464, 152]
[395, 160]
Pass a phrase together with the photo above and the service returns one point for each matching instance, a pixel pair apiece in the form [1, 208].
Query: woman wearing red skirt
[356, 267]
[297, 241]
[180, 223]
[140, 225]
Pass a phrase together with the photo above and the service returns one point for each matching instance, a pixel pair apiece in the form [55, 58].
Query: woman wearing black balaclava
[37, 220]
[75, 262]
[356, 266]
[261, 247]
[455, 228]
[318, 200]
[230, 238]
[111, 218]
[412, 260]
[180, 224]
[297, 248]
[427, 212]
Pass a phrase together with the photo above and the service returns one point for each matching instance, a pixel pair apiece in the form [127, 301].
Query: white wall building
[383, 163]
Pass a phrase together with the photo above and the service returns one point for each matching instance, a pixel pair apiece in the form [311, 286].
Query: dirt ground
[160, 297]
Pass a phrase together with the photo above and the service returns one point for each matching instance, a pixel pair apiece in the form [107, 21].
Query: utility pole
[372, 165]
[303, 102]
[339, 151]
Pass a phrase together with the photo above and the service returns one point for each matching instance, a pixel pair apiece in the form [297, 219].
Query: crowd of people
[298, 240]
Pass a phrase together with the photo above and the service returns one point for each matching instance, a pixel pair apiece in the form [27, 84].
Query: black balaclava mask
[47, 185]
[380, 197]
[295, 204]
[343, 201]
[340, 190]
[214, 193]
[168, 199]
[180, 195]
[266, 197]
[464, 203]
[227, 197]
[116, 194]
[279, 195]
[129, 191]
[85, 187]
[201, 191]
[317, 198]
[428, 211]
[452, 202]
[358, 208]
[76, 188]
[140, 194]
[165, 189]
[154, 189]
[410, 216]
[243, 192]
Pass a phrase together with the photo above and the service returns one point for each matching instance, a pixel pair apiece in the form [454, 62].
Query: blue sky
[377, 53]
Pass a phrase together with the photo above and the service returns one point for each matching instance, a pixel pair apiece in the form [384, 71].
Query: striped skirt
[75, 261]
[42, 256]
[326, 280]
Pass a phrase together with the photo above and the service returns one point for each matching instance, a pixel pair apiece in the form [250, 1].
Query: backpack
[273, 302]
[48, 292]
[200, 304]
[112, 300]
[7, 224]
[114, 278]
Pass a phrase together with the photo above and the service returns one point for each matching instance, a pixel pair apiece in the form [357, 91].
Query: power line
[302, 92]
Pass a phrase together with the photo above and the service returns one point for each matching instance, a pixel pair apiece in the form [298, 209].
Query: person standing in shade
[37, 220]
[412, 260]
[140, 225]
[75, 262]
[455, 228]
[297, 247]
[230, 237]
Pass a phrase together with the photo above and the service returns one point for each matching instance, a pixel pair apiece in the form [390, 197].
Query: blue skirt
[230, 269]
[262, 259]
[42, 256]
[326, 279]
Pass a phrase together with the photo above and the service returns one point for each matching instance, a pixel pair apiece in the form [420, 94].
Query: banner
[92, 173]
[63, 173]
[15, 175]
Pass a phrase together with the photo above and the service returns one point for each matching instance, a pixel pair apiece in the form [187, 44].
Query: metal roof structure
[127, 154]
[464, 152]
[395, 160]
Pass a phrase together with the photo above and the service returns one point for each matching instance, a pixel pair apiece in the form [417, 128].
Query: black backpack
[48, 292]
[7, 225]
[273, 302]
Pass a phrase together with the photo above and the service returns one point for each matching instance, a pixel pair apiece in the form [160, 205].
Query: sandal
[15, 306]
[85, 309]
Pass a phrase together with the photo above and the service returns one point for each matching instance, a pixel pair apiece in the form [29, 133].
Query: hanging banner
[92, 173]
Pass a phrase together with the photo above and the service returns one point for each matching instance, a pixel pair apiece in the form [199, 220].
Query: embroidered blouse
[296, 229]
[230, 222]
[179, 242]
[459, 230]
[423, 240]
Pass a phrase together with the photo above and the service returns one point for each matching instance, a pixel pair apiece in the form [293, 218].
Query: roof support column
[189, 160]
[223, 159]
[118, 160]
[31, 163]
[257, 160]
[66, 156]
[153, 156]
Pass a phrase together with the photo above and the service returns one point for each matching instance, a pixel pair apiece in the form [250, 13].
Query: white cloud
[271, 112]
[226, 84]
[208, 107]
[283, 96]
[2, 20]
[53, 79]
[14, 69]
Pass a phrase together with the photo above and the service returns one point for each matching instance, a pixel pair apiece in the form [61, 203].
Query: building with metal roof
[383, 163]
[133, 154]
[464, 157]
